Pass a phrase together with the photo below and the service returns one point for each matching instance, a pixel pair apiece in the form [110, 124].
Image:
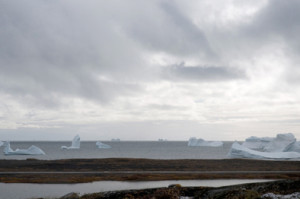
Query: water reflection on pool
[27, 190]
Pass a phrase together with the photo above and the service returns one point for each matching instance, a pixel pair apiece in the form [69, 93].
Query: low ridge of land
[128, 169]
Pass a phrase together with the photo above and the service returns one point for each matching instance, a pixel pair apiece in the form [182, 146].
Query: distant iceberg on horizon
[201, 142]
[162, 140]
[32, 150]
[75, 143]
[239, 151]
[115, 140]
[101, 145]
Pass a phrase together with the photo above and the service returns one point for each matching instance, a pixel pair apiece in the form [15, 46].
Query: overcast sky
[143, 70]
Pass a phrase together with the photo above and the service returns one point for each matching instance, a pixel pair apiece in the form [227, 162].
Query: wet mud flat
[130, 169]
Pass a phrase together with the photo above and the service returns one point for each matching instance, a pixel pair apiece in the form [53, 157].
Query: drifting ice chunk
[75, 143]
[101, 145]
[257, 142]
[200, 142]
[115, 140]
[33, 150]
[282, 143]
[239, 151]
[1, 143]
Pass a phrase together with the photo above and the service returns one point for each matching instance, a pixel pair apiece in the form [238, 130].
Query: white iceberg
[282, 143]
[33, 150]
[1, 143]
[254, 142]
[239, 151]
[75, 143]
[295, 147]
[115, 140]
[200, 142]
[101, 145]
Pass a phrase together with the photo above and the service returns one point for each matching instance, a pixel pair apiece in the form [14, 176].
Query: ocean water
[123, 149]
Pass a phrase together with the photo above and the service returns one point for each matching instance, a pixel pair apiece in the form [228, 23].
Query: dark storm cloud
[87, 49]
[278, 18]
[167, 29]
[96, 49]
[279, 22]
[53, 49]
[202, 73]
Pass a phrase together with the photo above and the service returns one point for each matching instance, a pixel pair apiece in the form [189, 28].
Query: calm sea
[123, 149]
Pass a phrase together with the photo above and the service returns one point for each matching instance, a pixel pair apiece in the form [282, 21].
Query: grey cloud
[280, 18]
[53, 49]
[164, 107]
[46, 88]
[279, 22]
[167, 29]
[202, 73]
[62, 48]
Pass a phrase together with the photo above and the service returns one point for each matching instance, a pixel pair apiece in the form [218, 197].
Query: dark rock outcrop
[251, 191]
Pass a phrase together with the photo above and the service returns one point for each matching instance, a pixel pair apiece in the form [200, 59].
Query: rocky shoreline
[274, 189]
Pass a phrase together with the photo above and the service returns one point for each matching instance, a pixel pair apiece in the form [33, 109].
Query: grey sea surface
[122, 149]
[27, 190]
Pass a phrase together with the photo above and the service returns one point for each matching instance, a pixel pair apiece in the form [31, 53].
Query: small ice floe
[295, 195]
[200, 142]
[33, 150]
[101, 145]
[75, 143]
[239, 151]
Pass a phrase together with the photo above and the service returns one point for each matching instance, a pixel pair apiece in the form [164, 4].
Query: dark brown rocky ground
[245, 191]
[121, 169]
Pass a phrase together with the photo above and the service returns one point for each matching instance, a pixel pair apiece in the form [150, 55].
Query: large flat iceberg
[282, 143]
[200, 142]
[33, 150]
[75, 143]
[295, 147]
[239, 151]
[101, 145]
[254, 142]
